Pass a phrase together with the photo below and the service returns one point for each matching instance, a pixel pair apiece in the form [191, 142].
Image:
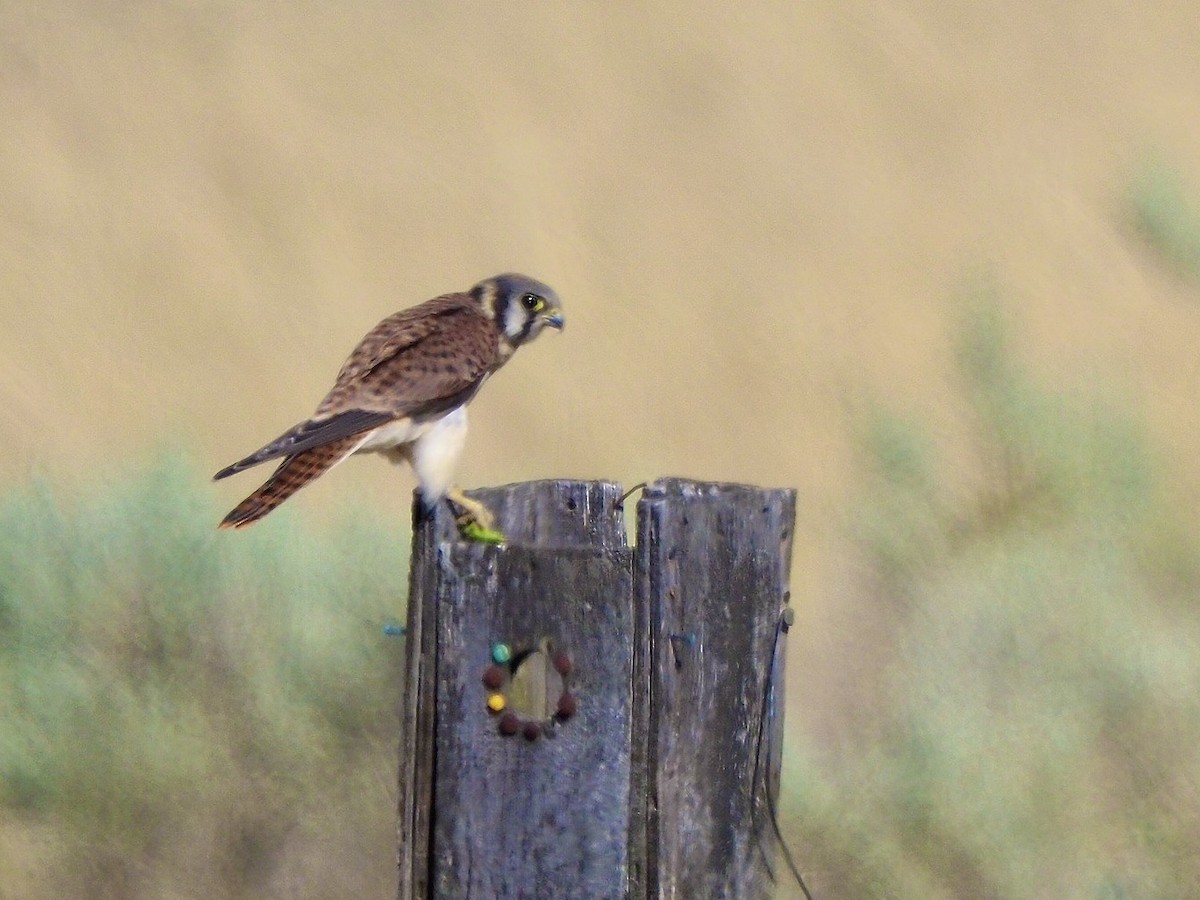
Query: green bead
[501, 654]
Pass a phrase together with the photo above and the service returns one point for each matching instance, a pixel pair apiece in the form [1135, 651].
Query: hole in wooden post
[530, 691]
[536, 686]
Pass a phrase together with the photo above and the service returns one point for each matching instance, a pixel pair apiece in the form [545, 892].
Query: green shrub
[184, 709]
[1035, 731]
[1167, 217]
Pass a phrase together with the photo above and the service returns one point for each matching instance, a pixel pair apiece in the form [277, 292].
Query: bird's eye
[532, 302]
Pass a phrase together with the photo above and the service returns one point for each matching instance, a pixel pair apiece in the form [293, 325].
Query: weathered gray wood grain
[658, 786]
[711, 569]
[492, 816]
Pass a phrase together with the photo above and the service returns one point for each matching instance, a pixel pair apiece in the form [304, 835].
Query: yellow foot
[473, 531]
[475, 523]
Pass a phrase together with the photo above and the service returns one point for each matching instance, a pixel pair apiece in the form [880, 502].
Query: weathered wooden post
[642, 765]
[711, 575]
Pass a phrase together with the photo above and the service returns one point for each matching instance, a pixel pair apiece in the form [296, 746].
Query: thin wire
[768, 700]
[625, 496]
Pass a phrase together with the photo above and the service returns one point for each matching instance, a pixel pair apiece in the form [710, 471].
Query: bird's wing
[400, 331]
[308, 435]
[417, 369]
[418, 363]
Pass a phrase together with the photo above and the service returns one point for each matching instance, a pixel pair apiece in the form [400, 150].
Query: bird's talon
[473, 531]
[475, 522]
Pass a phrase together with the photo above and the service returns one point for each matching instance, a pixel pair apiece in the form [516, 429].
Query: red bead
[532, 731]
[493, 678]
[562, 663]
[567, 707]
[509, 724]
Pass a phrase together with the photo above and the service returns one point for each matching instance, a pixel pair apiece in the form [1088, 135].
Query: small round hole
[536, 686]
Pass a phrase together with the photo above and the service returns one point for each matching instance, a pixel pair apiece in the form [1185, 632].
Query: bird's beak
[556, 320]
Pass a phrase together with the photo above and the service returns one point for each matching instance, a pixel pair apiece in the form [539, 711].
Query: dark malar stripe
[525, 329]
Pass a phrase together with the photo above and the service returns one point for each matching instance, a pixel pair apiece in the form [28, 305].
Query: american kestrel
[404, 392]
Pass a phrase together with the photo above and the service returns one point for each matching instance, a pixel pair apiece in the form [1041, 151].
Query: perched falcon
[404, 392]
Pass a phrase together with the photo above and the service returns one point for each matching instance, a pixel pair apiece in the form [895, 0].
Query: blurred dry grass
[759, 218]
[185, 716]
[756, 218]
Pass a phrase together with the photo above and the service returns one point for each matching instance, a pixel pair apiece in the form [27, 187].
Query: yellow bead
[496, 702]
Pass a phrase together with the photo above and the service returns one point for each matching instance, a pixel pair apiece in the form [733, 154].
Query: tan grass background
[759, 217]
[756, 217]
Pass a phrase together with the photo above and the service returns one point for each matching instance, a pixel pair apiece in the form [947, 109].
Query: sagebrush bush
[1035, 731]
[192, 713]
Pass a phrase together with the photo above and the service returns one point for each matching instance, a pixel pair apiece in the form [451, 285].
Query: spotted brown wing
[417, 376]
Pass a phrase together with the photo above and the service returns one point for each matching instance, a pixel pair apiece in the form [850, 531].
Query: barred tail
[293, 473]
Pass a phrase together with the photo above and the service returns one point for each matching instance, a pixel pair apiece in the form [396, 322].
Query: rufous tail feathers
[293, 473]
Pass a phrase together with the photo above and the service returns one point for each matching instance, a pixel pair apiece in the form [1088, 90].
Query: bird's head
[521, 306]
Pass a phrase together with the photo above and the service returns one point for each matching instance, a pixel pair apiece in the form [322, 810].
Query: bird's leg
[475, 522]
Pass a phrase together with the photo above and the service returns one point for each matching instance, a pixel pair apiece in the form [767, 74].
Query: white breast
[432, 447]
[435, 453]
